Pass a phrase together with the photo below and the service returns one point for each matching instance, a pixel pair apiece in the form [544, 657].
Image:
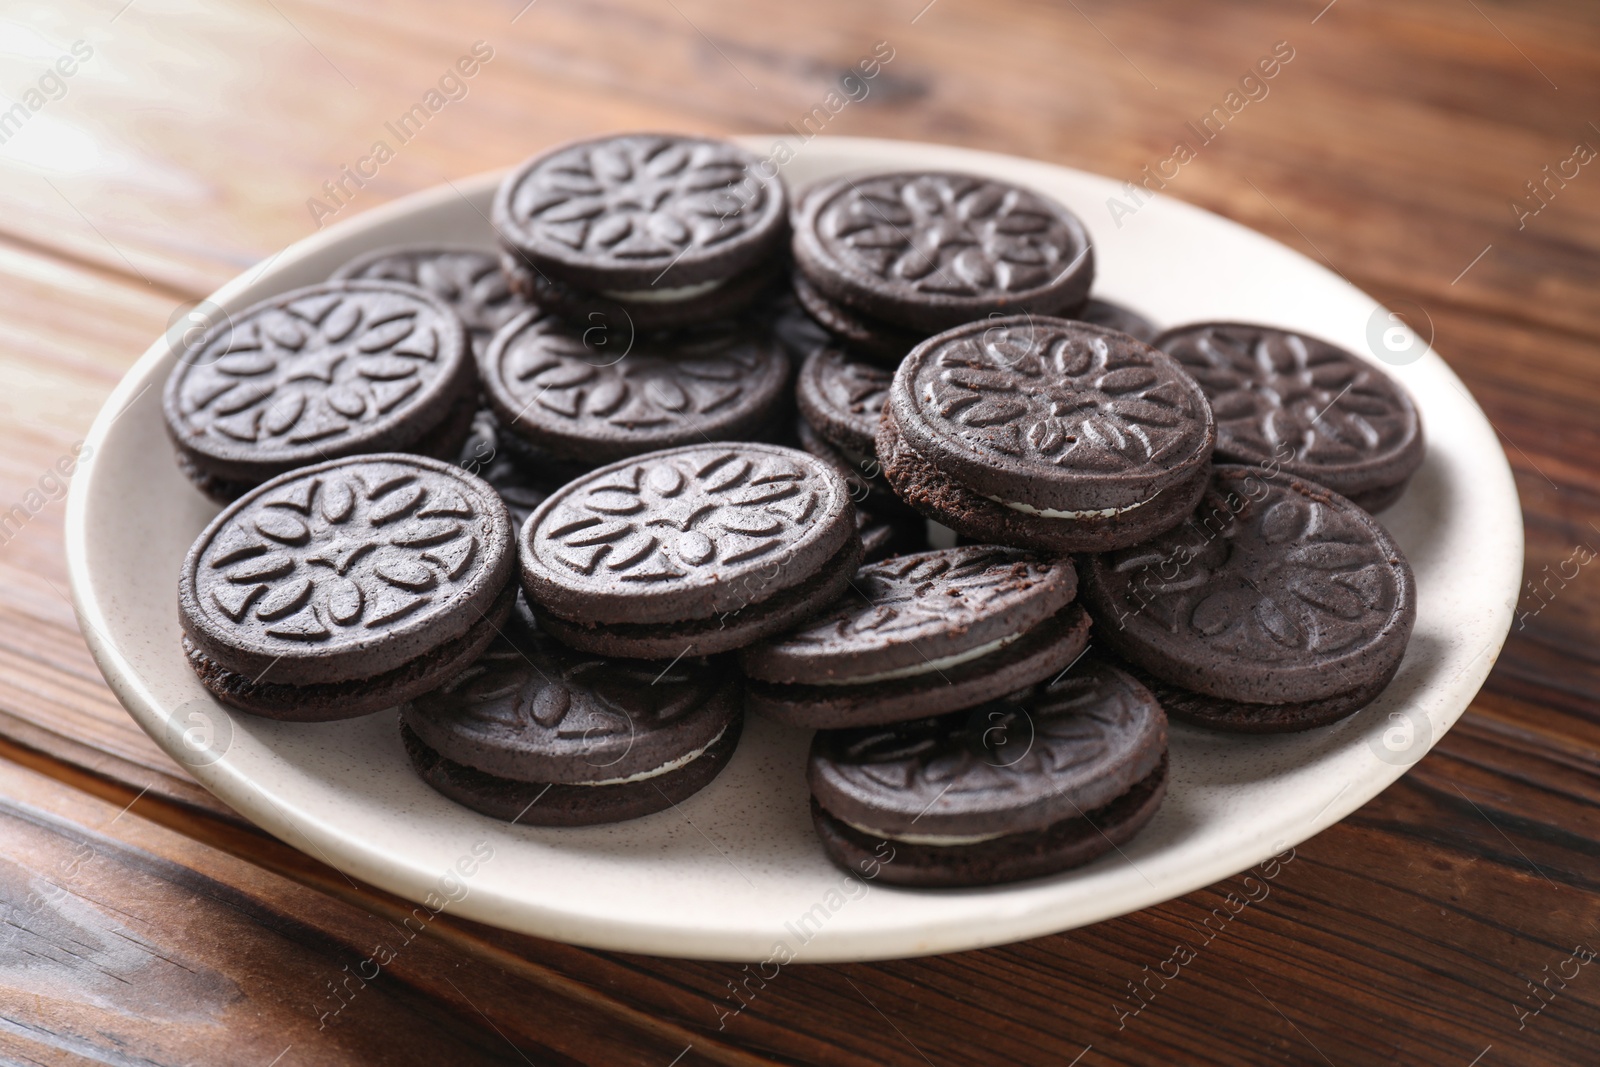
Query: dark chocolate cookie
[522, 485]
[1046, 433]
[551, 387]
[1043, 780]
[654, 222]
[931, 250]
[863, 335]
[1311, 408]
[692, 550]
[841, 398]
[468, 279]
[346, 587]
[922, 635]
[332, 370]
[1116, 317]
[1276, 593]
[552, 804]
[620, 736]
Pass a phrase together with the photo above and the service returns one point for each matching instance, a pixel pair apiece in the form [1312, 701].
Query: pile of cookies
[871, 462]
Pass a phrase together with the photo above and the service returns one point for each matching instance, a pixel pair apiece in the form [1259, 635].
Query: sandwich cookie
[921, 635]
[925, 251]
[1308, 407]
[690, 551]
[468, 279]
[1041, 781]
[539, 734]
[1047, 434]
[1278, 606]
[655, 230]
[864, 336]
[559, 394]
[331, 370]
[840, 399]
[346, 587]
[1116, 317]
[522, 486]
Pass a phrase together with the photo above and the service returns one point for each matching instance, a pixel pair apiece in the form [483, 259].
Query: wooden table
[1440, 924]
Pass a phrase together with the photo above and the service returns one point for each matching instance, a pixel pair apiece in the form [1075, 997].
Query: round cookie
[537, 733]
[664, 226]
[1309, 407]
[522, 486]
[689, 551]
[841, 398]
[346, 587]
[921, 635]
[629, 318]
[1278, 606]
[1116, 317]
[551, 388]
[863, 335]
[468, 279]
[1043, 780]
[331, 370]
[929, 250]
[1046, 433]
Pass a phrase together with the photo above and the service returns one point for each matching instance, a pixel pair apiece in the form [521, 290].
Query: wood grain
[1390, 148]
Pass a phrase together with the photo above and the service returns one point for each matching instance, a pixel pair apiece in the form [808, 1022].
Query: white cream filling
[662, 296]
[670, 765]
[1051, 513]
[936, 840]
[927, 666]
[941, 536]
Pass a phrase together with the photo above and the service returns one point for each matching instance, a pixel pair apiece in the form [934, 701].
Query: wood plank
[126, 942]
[57, 365]
[1437, 127]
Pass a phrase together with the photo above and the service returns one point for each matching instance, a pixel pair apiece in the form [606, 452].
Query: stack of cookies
[880, 467]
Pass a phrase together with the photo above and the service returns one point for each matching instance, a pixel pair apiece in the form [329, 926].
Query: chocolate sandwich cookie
[522, 486]
[1043, 780]
[539, 734]
[468, 279]
[930, 250]
[664, 228]
[1277, 606]
[920, 635]
[331, 370]
[863, 335]
[1308, 407]
[346, 587]
[1047, 434]
[690, 551]
[551, 387]
[1116, 317]
[840, 399]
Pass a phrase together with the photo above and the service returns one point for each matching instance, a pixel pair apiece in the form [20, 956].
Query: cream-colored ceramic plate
[735, 872]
